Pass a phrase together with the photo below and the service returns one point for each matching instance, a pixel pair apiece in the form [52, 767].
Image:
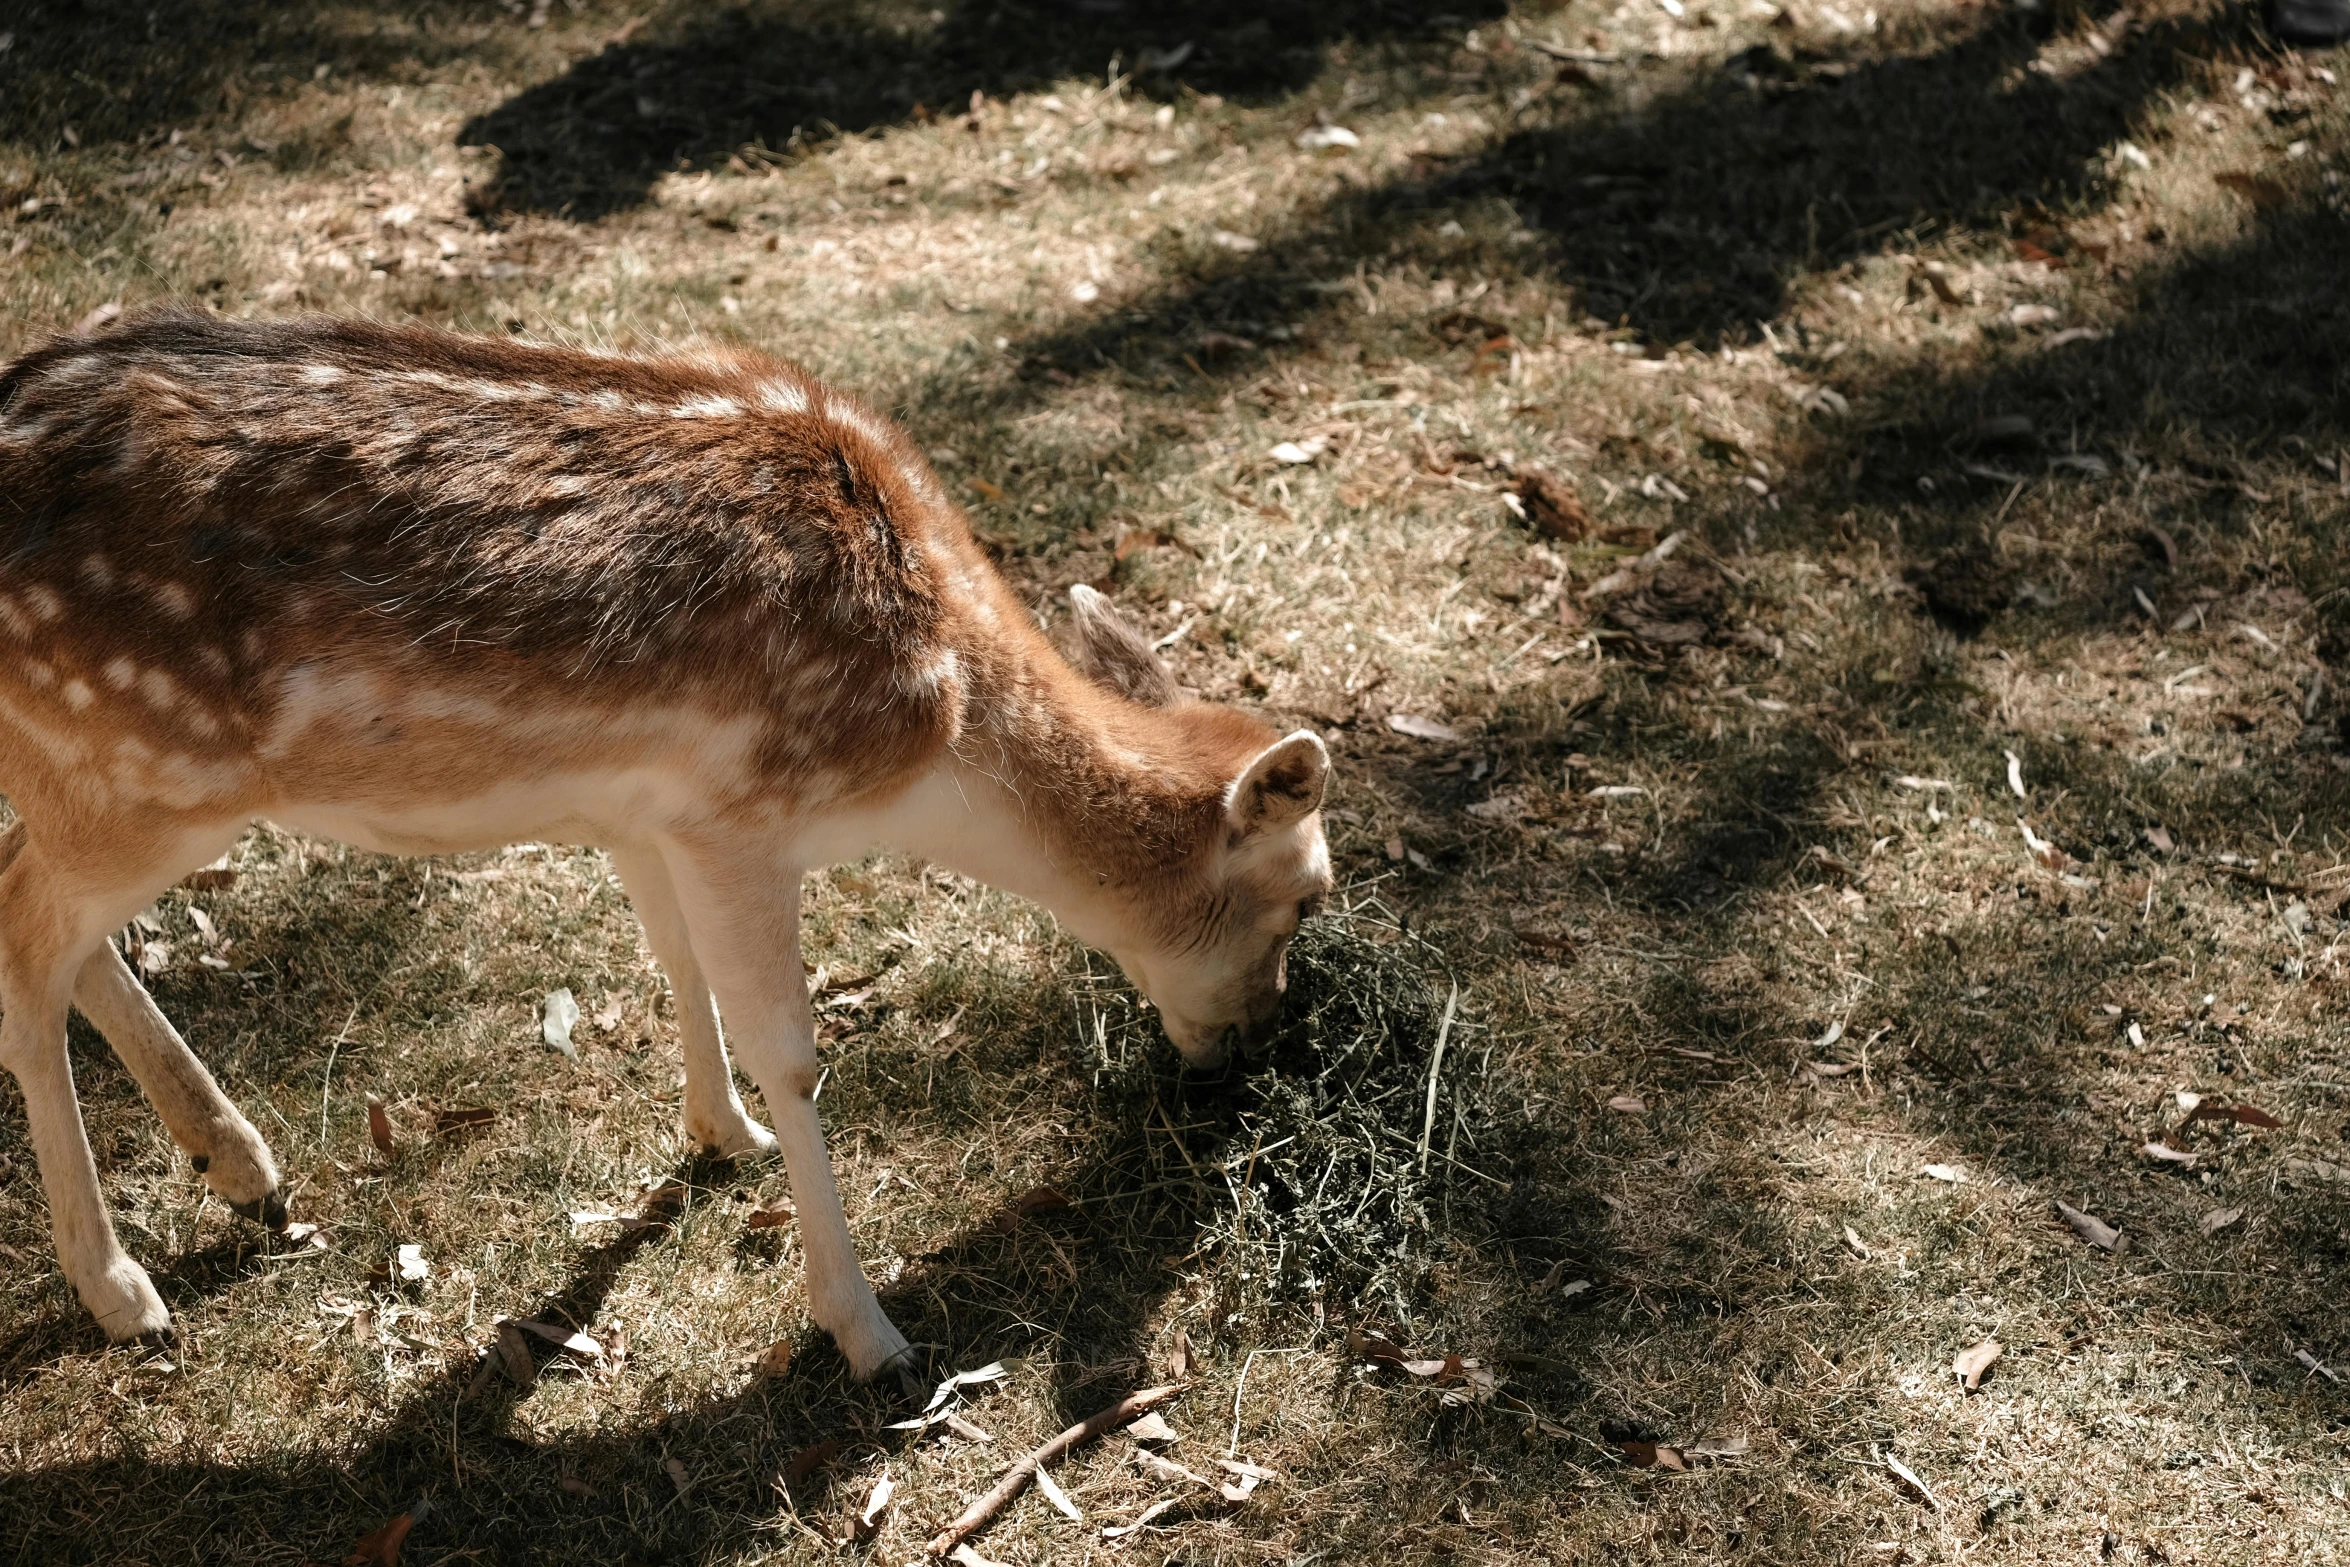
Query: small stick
[1435, 1067]
[1015, 1479]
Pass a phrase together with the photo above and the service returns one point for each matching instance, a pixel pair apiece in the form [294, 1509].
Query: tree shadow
[592, 141]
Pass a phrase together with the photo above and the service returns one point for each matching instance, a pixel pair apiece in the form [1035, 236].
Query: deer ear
[1112, 652]
[1280, 787]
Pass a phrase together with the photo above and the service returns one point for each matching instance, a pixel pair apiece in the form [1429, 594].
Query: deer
[427, 593]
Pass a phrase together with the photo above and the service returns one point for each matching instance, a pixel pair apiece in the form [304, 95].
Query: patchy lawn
[1817, 535]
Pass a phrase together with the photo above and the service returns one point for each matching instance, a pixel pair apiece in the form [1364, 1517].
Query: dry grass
[1108, 303]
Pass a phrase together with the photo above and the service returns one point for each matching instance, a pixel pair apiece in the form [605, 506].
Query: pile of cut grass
[1314, 1170]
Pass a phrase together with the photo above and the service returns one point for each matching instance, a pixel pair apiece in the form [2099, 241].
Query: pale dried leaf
[876, 1503]
[1944, 1172]
[1719, 1447]
[1910, 1477]
[772, 1216]
[2219, 1219]
[1142, 1520]
[1151, 1428]
[2090, 1228]
[1058, 1497]
[1421, 728]
[409, 1265]
[558, 1015]
[1628, 1104]
[2167, 1154]
[1970, 1364]
[579, 1344]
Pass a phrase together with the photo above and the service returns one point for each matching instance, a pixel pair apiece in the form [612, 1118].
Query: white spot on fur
[783, 397]
[12, 619]
[176, 600]
[77, 695]
[120, 672]
[44, 603]
[97, 571]
[321, 375]
[706, 405]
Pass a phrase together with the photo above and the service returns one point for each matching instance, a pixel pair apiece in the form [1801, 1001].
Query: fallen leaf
[772, 1216]
[1318, 138]
[2159, 838]
[1136, 539]
[1942, 289]
[1910, 1476]
[409, 1266]
[2015, 775]
[381, 1547]
[449, 1121]
[1152, 1428]
[993, 1371]
[513, 1356]
[1044, 1199]
[1552, 506]
[1574, 1287]
[2316, 1172]
[876, 1503]
[2166, 1153]
[1297, 453]
[2261, 191]
[1421, 728]
[964, 1556]
[808, 1460]
[557, 1015]
[1058, 1497]
[2219, 1219]
[2316, 1367]
[379, 1126]
[2242, 1115]
[1225, 239]
[581, 1218]
[776, 1359]
[1718, 1447]
[675, 1469]
[1179, 1356]
[1653, 1455]
[1142, 1520]
[1970, 1364]
[1167, 1469]
[609, 1018]
[1853, 1240]
[964, 1428]
[576, 1343]
[2090, 1228]
[1944, 1172]
[994, 492]
[1628, 1104]
[1246, 1477]
[578, 1487]
[2030, 315]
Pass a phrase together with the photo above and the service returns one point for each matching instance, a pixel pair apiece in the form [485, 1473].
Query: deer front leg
[37, 964]
[213, 1132]
[744, 914]
[714, 1114]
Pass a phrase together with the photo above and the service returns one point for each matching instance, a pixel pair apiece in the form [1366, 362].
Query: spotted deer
[425, 593]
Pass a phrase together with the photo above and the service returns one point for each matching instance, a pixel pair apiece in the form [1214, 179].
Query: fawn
[427, 593]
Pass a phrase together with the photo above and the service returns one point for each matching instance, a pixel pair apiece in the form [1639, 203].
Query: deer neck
[1067, 795]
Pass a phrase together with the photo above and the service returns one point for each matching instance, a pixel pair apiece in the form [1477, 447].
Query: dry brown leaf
[379, 1126]
[1971, 1364]
[1552, 506]
[580, 1344]
[1167, 1469]
[776, 1359]
[993, 492]
[381, 1547]
[1719, 1447]
[2166, 1153]
[2242, 1115]
[1628, 1104]
[1653, 1455]
[1043, 1199]
[2090, 1228]
[772, 1216]
[1910, 1476]
[2219, 1219]
[675, 1469]
[2159, 838]
[808, 1460]
[2258, 189]
[1179, 1357]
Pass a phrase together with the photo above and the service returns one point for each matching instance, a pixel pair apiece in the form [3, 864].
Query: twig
[1015, 1479]
[327, 1087]
[1579, 56]
[1435, 1069]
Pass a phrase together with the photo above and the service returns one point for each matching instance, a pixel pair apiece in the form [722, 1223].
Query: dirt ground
[1816, 535]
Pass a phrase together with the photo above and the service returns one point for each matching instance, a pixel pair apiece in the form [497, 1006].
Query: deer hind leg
[743, 910]
[218, 1140]
[714, 1115]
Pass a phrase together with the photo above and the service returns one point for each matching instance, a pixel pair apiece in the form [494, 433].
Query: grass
[1989, 362]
